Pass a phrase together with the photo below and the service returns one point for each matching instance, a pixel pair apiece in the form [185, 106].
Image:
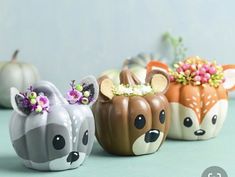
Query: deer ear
[159, 80]
[106, 87]
[154, 64]
[229, 75]
[17, 102]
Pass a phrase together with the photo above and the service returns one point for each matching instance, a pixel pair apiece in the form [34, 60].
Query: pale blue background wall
[72, 38]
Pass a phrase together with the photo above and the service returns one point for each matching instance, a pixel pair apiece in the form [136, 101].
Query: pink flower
[186, 66]
[73, 96]
[179, 70]
[204, 80]
[202, 71]
[206, 67]
[207, 76]
[172, 78]
[195, 73]
[197, 78]
[212, 70]
[42, 101]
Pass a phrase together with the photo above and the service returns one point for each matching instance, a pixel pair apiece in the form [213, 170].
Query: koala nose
[151, 136]
[73, 156]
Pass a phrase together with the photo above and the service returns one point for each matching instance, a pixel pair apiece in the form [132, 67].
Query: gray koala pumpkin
[59, 138]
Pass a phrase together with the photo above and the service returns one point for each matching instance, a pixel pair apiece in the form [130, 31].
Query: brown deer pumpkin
[132, 119]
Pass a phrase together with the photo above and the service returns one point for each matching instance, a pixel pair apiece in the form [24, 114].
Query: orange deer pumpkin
[198, 105]
[129, 122]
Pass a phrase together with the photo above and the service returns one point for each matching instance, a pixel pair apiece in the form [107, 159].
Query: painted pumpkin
[136, 64]
[15, 74]
[58, 139]
[198, 97]
[132, 118]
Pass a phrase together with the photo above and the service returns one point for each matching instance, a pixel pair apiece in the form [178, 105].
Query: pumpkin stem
[14, 56]
[126, 64]
[128, 78]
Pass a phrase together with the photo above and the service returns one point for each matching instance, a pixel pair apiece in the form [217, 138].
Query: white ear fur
[15, 92]
[229, 75]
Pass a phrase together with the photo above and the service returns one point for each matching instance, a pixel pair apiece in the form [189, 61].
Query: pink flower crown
[197, 71]
[35, 102]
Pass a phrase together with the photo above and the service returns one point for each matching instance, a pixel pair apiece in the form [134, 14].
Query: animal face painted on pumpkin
[198, 110]
[132, 119]
[55, 140]
[199, 113]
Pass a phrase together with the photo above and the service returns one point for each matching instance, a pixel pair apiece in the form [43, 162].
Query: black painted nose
[151, 136]
[199, 132]
[73, 156]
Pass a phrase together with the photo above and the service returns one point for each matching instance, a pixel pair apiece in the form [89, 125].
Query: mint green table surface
[174, 159]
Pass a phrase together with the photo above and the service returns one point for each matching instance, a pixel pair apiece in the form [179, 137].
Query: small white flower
[132, 90]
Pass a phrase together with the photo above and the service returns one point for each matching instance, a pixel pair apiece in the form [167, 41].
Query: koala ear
[17, 102]
[159, 80]
[90, 84]
[229, 75]
[106, 87]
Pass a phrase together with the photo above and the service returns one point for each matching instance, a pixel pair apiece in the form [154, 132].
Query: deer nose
[73, 156]
[199, 132]
[151, 136]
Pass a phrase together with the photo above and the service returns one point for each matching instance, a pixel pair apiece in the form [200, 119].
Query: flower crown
[78, 94]
[35, 102]
[132, 90]
[197, 71]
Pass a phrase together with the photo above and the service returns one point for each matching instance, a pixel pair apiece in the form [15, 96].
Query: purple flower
[73, 96]
[42, 101]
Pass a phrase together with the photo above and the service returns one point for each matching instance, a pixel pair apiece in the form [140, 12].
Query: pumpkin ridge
[110, 107]
[128, 127]
[151, 112]
[167, 121]
[180, 91]
[25, 142]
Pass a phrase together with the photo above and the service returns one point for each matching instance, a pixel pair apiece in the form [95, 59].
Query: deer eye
[214, 119]
[188, 122]
[162, 116]
[140, 121]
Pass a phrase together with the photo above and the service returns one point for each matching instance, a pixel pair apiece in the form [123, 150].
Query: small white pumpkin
[15, 74]
[136, 64]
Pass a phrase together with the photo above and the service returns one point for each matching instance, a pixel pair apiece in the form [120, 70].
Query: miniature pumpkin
[58, 137]
[132, 118]
[198, 97]
[136, 64]
[15, 74]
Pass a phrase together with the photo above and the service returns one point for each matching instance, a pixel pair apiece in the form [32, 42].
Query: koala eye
[188, 122]
[58, 142]
[140, 121]
[85, 138]
[162, 116]
[214, 119]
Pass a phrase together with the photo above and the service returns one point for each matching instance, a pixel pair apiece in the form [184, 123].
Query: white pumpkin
[136, 64]
[15, 74]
